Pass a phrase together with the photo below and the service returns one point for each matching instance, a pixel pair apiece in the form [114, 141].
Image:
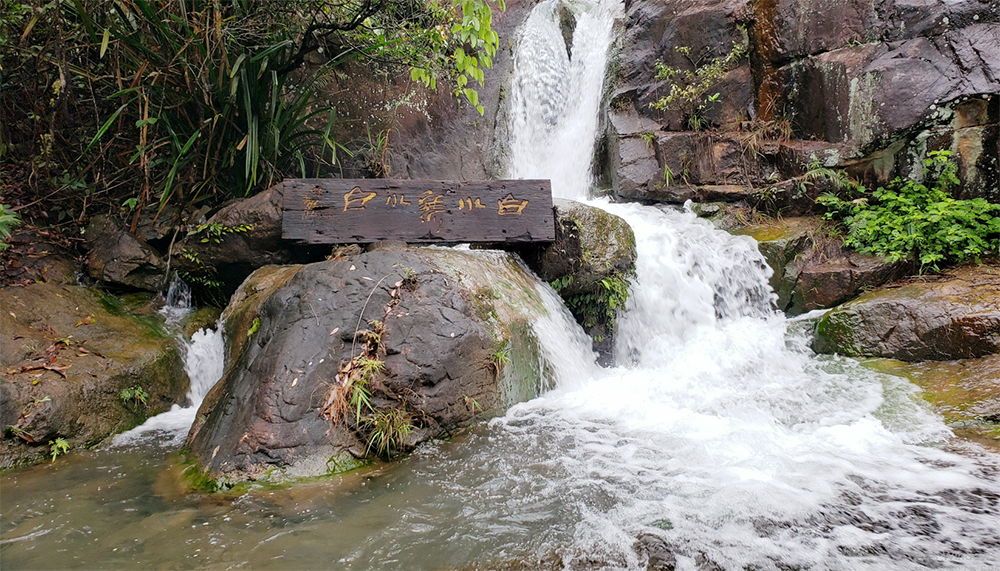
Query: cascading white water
[555, 97]
[203, 363]
[722, 434]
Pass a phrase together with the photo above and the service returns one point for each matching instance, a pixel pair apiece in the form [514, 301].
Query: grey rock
[445, 314]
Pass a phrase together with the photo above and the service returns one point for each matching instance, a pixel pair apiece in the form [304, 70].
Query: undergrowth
[918, 221]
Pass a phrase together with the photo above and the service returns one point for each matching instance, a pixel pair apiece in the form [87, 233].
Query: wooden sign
[331, 211]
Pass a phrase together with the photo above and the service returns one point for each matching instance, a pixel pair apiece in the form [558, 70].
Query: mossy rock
[954, 315]
[965, 392]
[813, 270]
[69, 354]
[593, 250]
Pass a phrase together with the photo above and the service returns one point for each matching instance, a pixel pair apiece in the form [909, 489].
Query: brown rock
[813, 271]
[120, 258]
[952, 316]
[66, 355]
[256, 242]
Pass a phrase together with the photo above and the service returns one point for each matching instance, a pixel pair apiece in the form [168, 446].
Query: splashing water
[722, 440]
[203, 363]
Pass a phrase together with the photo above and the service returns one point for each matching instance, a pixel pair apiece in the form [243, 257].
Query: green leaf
[104, 42]
[107, 125]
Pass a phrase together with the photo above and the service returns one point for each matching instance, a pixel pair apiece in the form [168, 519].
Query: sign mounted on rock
[330, 211]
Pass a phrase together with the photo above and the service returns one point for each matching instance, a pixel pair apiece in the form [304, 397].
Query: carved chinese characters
[367, 210]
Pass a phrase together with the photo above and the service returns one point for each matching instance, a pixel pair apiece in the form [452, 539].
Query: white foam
[203, 363]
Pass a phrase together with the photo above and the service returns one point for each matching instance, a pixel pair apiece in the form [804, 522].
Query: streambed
[719, 442]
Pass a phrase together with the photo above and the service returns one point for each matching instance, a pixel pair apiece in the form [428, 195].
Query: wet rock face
[881, 82]
[67, 353]
[291, 330]
[952, 316]
[813, 271]
[965, 392]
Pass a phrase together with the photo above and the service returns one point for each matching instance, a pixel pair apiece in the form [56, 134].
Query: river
[720, 438]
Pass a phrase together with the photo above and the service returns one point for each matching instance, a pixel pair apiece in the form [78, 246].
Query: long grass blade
[107, 125]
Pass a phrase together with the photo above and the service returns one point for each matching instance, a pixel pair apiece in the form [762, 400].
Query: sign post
[329, 211]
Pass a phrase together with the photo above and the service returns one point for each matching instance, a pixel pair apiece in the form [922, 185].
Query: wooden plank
[328, 211]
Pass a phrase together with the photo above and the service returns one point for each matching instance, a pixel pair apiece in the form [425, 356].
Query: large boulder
[120, 258]
[952, 316]
[592, 250]
[72, 360]
[813, 270]
[450, 330]
[242, 236]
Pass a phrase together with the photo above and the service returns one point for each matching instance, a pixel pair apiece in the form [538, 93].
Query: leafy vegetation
[389, 429]
[215, 231]
[58, 447]
[141, 103]
[8, 221]
[689, 88]
[253, 327]
[597, 309]
[359, 398]
[916, 221]
[500, 357]
[134, 396]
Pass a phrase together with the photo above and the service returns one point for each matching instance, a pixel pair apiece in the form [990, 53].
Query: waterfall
[556, 98]
[722, 437]
[203, 363]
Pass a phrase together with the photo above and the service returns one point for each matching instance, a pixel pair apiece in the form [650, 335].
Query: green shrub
[182, 102]
[134, 396]
[688, 89]
[8, 221]
[916, 221]
[58, 447]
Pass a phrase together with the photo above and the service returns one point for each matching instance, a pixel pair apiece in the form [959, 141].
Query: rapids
[720, 437]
